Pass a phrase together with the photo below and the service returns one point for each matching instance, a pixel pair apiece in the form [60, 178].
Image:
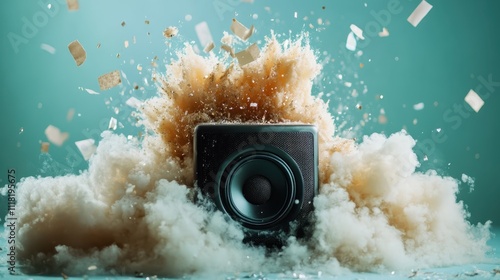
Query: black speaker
[264, 176]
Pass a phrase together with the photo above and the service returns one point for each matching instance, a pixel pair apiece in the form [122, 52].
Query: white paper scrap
[418, 106]
[113, 123]
[89, 91]
[241, 31]
[86, 148]
[419, 13]
[133, 102]
[474, 100]
[48, 48]
[351, 42]
[248, 55]
[228, 49]
[357, 31]
[203, 33]
[55, 136]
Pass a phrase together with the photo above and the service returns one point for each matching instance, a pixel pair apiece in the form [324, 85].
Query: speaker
[264, 176]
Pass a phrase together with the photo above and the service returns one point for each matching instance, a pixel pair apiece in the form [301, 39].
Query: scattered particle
[112, 124]
[98, 45]
[134, 40]
[382, 119]
[21, 130]
[347, 84]
[133, 102]
[228, 49]
[209, 47]
[474, 100]
[240, 30]
[248, 55]
[136, 87]
[90, 91]
[357, 31]
[118, 55]
[203, 33]
[253, 105]
[426, 158]
[384, 32]
[323, 8]
[64, 276]
[78, 52]
[361, 65]
[86, 148]
[72, 5]
[415, 121]
[438, 130]
[359, 107]
[48, 48]
[170, 32]
[351, 42]
[70, 114]
[55, 136]
[295, 15]
[123, 23]
[139, 67]
[125, 43]
[44, 148]
[418, 106]
[92, 267]
[188, 17]
[469, 181]
[419, 13]
[109, 80]
[147, 21]
[255, 16]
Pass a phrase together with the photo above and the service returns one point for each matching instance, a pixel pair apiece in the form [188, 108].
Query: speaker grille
[215, 143]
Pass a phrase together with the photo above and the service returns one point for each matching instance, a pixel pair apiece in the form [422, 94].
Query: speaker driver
[259, 187]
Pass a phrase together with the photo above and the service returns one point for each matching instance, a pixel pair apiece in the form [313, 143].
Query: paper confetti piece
[351, 42]
[228, 49]
[419, 13]
[209, 47]
[133, 102]
[384, 32]
[72, 5]
[86, 148]
[248, 55]
[203, 33]
[48, 48]
[418, 106]
[78, 52]
[55, 136]
[240, 30]
[474, 100]
[45, 147]
[109, 80]
[112, 123]
[170, 32]
[357, 31]
[70, 114]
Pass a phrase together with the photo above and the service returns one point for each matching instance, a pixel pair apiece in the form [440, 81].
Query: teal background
[436, 63]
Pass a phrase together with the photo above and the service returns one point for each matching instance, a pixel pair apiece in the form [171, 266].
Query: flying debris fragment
[209, 47]
[351, 42]
[241, 31]
[133, 102]
[357, 31]
[86, 148]
[48, 48]
[248, 55]
[384, 33]
[45, 147]
[474, 100]
[228, 49]
[72, 5]
[112, 124]
[55, 136]
[418, 106]
[78, 52]
[203, 33]
[170, 32]
[419, 13]
[109, 80]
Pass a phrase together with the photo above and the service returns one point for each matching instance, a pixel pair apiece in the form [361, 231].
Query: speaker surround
[264, 176]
